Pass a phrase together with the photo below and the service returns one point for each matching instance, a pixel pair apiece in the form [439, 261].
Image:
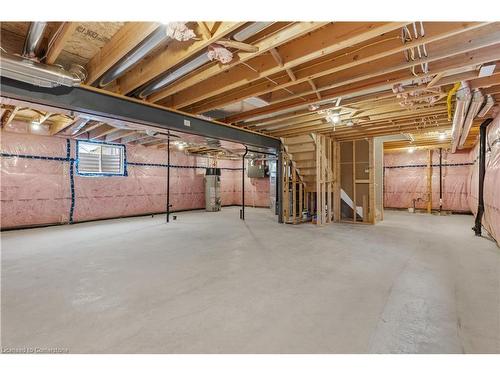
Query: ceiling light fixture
[333, 117]
[180, 146]
[35, 125]
[442, 136]
[411, 150]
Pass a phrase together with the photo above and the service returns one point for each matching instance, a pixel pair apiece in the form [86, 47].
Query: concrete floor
[209, 283]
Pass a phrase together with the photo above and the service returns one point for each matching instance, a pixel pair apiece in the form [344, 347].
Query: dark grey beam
[100, 103]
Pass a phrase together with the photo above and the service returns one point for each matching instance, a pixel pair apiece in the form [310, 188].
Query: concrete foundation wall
[38, 191]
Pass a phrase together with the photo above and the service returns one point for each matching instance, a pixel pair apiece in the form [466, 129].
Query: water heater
[212, 189]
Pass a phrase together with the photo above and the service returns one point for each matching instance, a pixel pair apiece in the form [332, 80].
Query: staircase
[310, 181]
[302, 153]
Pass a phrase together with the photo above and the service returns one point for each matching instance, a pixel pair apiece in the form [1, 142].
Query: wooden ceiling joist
[325, 40]
[266, 44]
[66, 31]
[380, 81]
[170, 57]
[372, 51]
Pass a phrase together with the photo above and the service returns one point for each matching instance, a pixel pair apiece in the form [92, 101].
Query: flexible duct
[33, 38]
[475, 104]
[461, 107]
[38, 74]
[196, 63]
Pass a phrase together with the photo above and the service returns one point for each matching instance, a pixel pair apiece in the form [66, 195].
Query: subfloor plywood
[210, 283]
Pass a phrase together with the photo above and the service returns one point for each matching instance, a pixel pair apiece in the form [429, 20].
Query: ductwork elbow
[38, 74]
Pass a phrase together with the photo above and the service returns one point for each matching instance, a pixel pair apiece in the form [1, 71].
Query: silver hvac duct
[38, 74]
[135, 55]
[461, 107]
[251, 30]
[475, 104]
[174, 75]
[197, 62]
[33, 38]
[490, 102]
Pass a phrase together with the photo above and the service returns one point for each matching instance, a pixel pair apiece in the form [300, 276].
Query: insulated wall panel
[38, 191]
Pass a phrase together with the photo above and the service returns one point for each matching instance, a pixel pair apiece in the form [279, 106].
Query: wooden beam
[58, 128]
[205, 31]
[436, 78]
[276, 56]
[266, 44]
[380, 80]
[66, 31]
[485, 82]
[171, 56]
[237, 45]
[124, 41]
[87, 128]
[393, 64]
[375, 50]
[8, 116]
[315, 89]
[120, 134]
[101, 130]
[289, 71]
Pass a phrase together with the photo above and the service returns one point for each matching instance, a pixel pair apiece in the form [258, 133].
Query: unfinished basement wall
[36, 183]
[491, 192]
[406, 179]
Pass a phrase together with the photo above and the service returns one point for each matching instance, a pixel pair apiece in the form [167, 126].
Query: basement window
[100, 159]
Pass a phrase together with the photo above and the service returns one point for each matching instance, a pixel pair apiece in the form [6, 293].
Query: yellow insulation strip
[450, 94]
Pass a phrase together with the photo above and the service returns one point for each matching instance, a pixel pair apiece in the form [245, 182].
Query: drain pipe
[482, 170]
[440, 179]
[242, 211]
[33, 39]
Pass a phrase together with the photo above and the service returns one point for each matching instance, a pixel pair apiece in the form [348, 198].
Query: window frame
[101, 174]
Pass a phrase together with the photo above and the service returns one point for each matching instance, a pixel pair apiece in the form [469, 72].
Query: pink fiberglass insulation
[405, 179]
[33, 192]
[37, 192]
[491, 192]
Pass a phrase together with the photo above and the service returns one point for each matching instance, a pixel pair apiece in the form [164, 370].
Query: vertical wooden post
[323, 179]
[354, 205]
[329, 178]
[429, 182]
[371, 187]
[318, 180]
[365, 209]
[286, 195]
[336, 183]
[301, 208]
